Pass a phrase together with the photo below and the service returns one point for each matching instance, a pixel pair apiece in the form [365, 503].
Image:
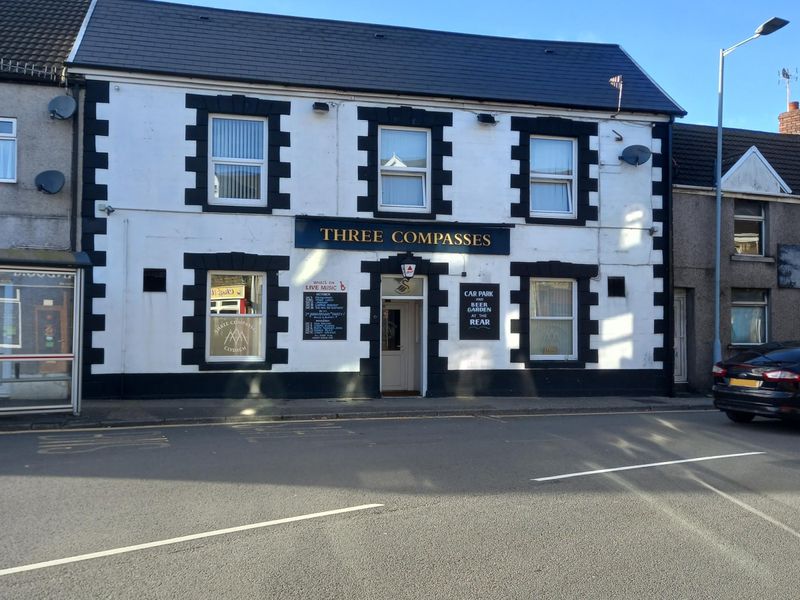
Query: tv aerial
[787, 76]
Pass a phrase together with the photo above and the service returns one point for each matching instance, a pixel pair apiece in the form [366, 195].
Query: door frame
[422, 359]
[680, 323]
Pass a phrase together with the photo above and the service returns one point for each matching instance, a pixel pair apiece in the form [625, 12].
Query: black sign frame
[325, 316]
[479, 311]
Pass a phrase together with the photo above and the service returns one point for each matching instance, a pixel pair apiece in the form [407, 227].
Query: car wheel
[739, 417]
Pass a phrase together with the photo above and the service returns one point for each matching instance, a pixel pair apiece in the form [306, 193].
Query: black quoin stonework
[196, 324]
[586, 299]
[661, 241]
[435, 298]
[276, 139]
[581, 131]
[97, 92]
[405, 116]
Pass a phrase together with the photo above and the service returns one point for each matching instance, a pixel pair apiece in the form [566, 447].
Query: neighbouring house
[40, 267]
[760, 243]
[292, 207]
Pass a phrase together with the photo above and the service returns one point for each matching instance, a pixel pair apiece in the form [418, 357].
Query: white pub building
[290, 207]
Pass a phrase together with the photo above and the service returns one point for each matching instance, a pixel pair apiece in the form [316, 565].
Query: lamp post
[766, 28]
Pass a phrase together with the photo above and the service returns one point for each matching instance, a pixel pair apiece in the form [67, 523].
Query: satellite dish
[62, 107]
[635, 155]
[50, 182]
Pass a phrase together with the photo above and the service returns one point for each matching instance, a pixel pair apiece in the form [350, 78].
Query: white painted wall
[152, 228]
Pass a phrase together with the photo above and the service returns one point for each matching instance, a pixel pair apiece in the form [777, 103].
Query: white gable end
[752, 174]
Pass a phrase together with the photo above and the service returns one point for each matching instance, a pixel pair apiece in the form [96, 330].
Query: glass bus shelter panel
[35, 384]
[37, 312]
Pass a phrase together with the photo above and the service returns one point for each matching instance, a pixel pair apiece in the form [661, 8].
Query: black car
[761, 381]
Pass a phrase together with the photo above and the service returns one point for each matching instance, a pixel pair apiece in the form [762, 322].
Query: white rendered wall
[152, 227]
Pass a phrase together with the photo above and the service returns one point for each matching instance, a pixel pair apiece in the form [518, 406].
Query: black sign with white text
[480, 311]
[324, 315]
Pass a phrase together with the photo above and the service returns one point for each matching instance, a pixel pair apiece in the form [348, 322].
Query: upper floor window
[554, 326]
[749, 309]
[404, 169]
[553, 178]
[238, 170]
[236, 312]
[748, 227]
[8, 150]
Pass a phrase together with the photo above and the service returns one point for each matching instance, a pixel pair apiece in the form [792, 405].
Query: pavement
[126, 413]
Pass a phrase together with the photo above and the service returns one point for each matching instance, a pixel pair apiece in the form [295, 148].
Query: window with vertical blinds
[237, 149]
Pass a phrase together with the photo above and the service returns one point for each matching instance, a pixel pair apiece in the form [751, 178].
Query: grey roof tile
[694, 150]
[39, 32]
[156, 37]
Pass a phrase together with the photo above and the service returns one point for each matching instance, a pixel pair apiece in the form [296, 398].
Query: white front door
[400, 342]
[680, 336]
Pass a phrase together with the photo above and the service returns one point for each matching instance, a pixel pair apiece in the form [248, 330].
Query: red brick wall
[789, 122]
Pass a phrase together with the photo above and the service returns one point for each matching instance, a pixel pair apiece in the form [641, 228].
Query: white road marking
[749, 508]
[658, 464]
[185, 538]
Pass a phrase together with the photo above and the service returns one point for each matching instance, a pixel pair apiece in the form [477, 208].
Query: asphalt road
[461, 517]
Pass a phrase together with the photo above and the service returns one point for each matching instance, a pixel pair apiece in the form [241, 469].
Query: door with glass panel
[400, 372]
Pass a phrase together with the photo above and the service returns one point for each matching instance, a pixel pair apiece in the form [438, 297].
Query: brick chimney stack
[789, 122]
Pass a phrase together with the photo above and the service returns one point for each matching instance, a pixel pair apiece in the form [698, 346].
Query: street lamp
[766, 28]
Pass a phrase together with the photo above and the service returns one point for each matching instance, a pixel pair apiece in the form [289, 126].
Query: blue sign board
[400, 236]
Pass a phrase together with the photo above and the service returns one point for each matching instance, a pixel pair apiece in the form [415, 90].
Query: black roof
[39, 32]
[694, 150]
[163, 38]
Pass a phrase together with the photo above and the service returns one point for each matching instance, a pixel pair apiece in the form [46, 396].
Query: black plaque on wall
[479, 311]
[324, 315]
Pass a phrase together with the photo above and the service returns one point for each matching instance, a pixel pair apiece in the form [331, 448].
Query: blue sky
[676, 42]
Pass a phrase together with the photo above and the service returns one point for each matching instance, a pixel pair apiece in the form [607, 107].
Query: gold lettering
[448, 239]
[437, 238]
[458, 239]
[487, 239]
[467, 239]
[352, 235]
[424, 237]
[378, 236]
[410, 237]
[339, 235]
[326, 231]
[397, 237]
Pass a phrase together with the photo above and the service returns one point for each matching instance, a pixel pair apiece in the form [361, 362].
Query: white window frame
[750, 304]
[406, 172]
[574, 319]
[262, 331]
[13, 137]
[761, 219]
[262, 199]
[551, 178]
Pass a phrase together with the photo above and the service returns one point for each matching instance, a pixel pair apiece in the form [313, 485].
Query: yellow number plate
[749, 383]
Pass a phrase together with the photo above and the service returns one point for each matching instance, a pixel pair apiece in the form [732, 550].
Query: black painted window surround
[405, 116]
[581, 132]
[272, 110]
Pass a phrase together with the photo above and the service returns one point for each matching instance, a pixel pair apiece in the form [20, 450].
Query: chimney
[789, 122]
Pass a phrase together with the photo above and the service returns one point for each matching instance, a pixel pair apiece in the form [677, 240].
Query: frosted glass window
[553, 323]
[404, 169]
[8, 150]
[552, 189]
[237, 159]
